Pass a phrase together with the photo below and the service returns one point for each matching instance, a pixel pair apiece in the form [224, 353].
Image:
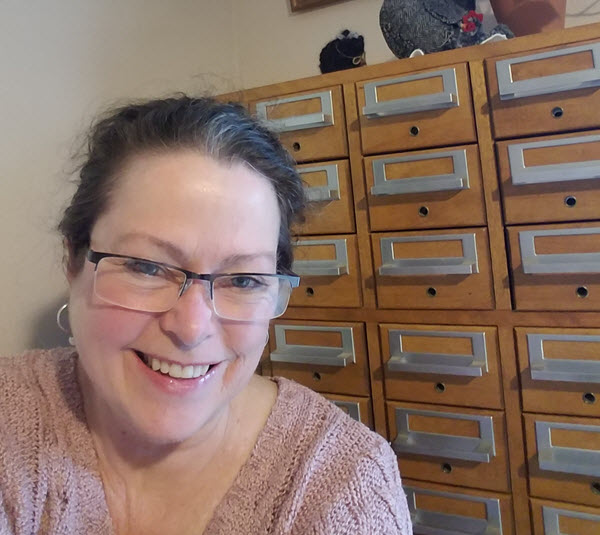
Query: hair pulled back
[223, 131]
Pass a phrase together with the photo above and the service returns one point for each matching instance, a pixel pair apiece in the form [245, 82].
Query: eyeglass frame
[96, 256]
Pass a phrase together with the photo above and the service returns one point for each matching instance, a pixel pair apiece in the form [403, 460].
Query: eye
[145, 268]
[246, 282]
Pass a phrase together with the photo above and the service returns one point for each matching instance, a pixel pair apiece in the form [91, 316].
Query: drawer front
[426, 109]
[560, 370]
[464, 447]
[451, 365]
[356, 407]
[311, 124]
[325, 356]
[428, 189]
[554, 518]
[448, 269]
[328, 269]
[556, 267]
[564, 457]
[328, 189]
[440, 510]
[543, 92]
[554, 178]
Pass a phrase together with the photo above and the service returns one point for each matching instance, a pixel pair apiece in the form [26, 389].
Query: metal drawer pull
[434, 523]
[448, 98]
[462, 265]
[557, 263]
[562, 172]
[319, 355]
[330, 192]
[480, 449]
[352, 408]
[573, 371]
[457, 180]
[338, 266]
[543, 85]
[552, 519]
[561, 459]
[440, 363]
[299, 122]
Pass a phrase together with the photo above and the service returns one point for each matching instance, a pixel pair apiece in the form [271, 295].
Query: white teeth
[177, 371]
[200, 370]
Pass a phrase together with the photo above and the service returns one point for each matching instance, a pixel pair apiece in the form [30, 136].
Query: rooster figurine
[432, 25]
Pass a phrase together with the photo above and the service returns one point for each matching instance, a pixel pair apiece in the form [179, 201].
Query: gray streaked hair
[223, 131]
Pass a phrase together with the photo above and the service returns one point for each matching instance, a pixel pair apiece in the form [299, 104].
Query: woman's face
[190, 211]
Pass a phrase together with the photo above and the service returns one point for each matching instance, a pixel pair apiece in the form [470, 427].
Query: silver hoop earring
[64, 329]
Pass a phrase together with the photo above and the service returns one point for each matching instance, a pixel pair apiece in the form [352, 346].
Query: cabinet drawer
[329, 192]
[554, 518]
[564, 457]
[448, 269]
[426, 109]
[549, 91]
[560, 370]
[325, 356]
[556, 267]
[453, 365]
[441, 510]
[328, 269]
[464, 447]
[356, 407]
[549, 179]
[311, 124]
[427, 189]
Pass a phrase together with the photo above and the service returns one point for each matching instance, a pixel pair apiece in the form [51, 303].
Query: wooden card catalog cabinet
[450, 365]
[329, 194]
[552, 518]
[450, 445]
[425, 109]
[425, 189]
[564, 458]
[449, 270]
[550, 91]
[556, 267]
[312, 125]
[436, 509]
[560, 370]
[554, 178]
[325, 356]
[328, 269]
[429, 270]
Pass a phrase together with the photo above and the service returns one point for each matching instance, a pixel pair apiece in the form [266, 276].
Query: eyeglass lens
[151, 287]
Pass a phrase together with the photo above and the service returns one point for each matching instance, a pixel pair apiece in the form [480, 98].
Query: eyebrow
[180, 257]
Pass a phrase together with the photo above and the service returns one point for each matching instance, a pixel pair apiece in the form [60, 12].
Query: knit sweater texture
[313, 470]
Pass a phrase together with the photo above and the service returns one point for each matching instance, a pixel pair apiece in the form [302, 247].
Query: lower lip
[170, 385]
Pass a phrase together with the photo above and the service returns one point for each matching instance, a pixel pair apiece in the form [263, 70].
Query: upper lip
[150, 356]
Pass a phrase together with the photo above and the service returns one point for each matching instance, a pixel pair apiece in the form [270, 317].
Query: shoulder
[346, 476]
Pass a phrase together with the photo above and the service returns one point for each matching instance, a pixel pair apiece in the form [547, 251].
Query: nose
[190, 320]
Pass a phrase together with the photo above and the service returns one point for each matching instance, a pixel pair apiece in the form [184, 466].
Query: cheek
[246, 341]
[95, 323]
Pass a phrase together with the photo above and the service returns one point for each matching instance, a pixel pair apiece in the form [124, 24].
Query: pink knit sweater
[313, 469]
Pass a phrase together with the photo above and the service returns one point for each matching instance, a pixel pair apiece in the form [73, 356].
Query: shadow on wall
[45, 332]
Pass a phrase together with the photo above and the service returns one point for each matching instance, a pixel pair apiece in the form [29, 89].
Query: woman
[177, 254]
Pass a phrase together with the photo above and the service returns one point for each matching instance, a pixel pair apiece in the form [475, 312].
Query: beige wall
[60, 61]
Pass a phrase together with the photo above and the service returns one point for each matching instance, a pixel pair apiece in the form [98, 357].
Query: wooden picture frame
[299, 5]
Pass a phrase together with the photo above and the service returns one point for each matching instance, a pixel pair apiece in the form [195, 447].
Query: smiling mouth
[177, 371]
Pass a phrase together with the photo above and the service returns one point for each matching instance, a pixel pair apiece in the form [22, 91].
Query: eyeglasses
[139, 284]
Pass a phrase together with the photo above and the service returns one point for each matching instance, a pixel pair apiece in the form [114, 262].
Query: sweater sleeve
[371, 501]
